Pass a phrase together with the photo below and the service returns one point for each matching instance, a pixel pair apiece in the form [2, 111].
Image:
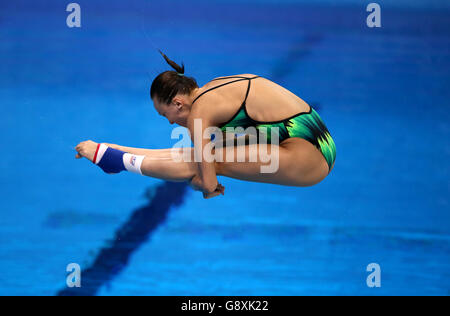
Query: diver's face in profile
[176, 112]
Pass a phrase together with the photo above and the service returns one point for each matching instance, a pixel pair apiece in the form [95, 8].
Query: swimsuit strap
[227, 83]
[248, 89]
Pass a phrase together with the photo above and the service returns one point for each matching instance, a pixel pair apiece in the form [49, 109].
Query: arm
[206, 181]
[196, 184]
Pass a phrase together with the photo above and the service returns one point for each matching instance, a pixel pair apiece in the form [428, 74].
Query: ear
[178, 102]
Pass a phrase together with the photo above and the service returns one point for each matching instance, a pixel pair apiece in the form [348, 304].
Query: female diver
[306, 152]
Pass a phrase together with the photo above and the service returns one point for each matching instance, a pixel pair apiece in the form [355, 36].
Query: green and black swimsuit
[306, 125]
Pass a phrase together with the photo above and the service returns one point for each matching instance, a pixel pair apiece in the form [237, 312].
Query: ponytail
[178, 69]
[170, 83]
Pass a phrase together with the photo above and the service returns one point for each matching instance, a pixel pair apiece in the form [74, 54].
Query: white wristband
[133, 163]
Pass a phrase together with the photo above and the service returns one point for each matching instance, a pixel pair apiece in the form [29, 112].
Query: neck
[194, 94]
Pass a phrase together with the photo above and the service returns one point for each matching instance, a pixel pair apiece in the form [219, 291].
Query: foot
[86, 149]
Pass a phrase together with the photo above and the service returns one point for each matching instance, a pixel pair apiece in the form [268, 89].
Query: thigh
[295, 162]
[299, 164]
[310, 164]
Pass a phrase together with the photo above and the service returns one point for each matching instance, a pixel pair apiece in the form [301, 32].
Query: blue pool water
[383, 94]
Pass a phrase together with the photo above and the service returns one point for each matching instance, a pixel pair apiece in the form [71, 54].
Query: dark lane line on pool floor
[128, 238]
[299, 50]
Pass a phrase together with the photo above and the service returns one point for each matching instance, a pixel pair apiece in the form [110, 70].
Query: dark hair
[169, 83]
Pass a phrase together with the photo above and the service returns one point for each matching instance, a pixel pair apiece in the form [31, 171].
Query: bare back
[266, 101]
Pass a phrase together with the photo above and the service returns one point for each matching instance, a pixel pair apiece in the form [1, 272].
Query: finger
[207, 196]
[212, 195]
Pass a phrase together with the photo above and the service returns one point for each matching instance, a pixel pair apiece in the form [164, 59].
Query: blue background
[383, 94]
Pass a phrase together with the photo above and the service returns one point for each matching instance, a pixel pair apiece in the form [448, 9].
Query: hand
[86, 149]
[219, 190]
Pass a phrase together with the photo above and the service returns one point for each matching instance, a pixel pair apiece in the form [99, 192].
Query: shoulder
[209, 107]
[214, 105]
